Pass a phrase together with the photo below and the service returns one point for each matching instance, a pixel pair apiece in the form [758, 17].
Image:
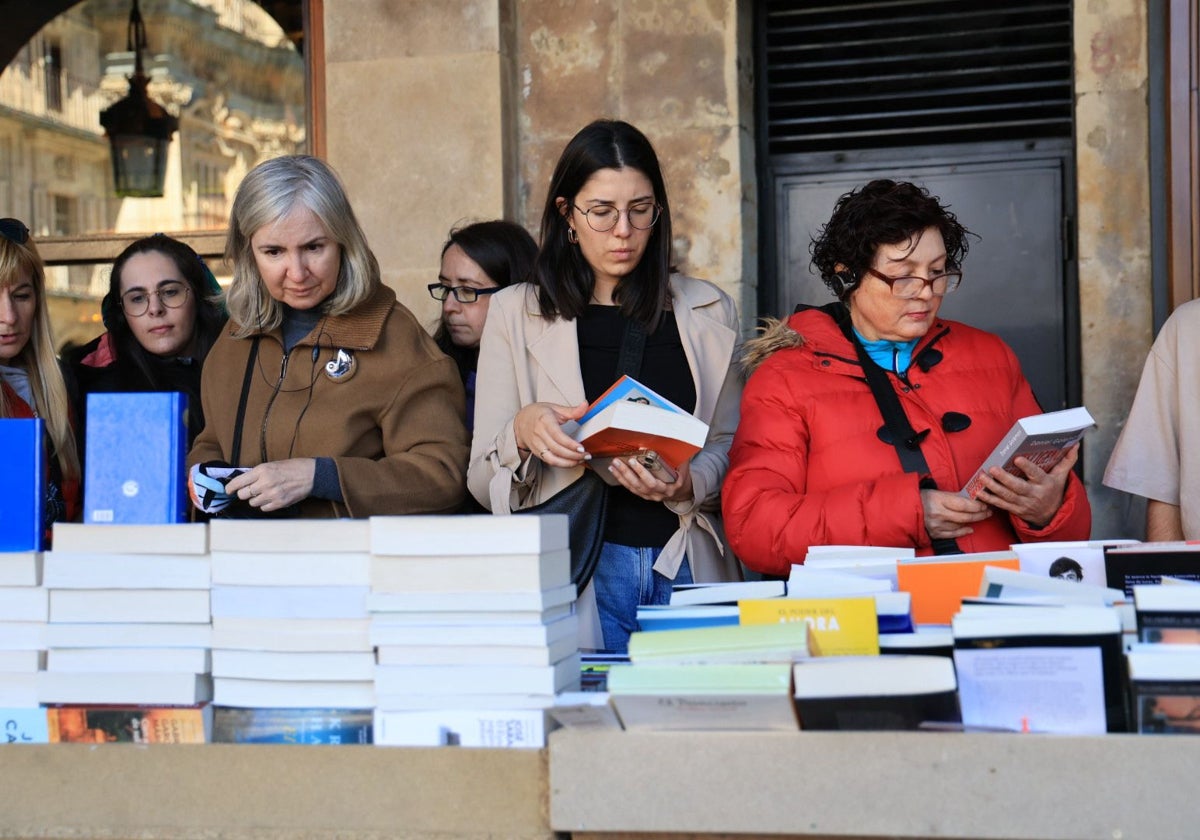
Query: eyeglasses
[909, 287]
[172, 294]
[14, 230]
[462, 294]
[604, 217]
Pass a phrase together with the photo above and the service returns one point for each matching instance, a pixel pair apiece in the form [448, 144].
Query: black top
[633, 520]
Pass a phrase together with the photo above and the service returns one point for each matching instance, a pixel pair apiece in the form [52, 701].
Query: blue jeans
[624, 579]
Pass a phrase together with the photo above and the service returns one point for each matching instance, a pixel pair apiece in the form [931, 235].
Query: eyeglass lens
[462, 294]
[14, 230]
[604, 217]
[136, 302]
[912, 286]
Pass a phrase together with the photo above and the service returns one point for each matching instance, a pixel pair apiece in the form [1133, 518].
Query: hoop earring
[572, 236]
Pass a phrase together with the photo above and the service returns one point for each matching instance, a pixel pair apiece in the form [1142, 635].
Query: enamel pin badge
[342, 366]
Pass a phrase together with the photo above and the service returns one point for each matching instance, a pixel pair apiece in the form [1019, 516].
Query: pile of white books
[128, 615]
[474, 623]
[289, 614]
[23, 611]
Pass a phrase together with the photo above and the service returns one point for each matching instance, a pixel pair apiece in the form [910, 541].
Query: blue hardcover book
[292, 726]
[24, 726]
[22, 486]
[136, 446]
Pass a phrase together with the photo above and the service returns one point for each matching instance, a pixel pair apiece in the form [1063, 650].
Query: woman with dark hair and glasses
[551, 346]
[31, 382]
[478, 260]
[324, 388]
[162, 315]
[815, 463]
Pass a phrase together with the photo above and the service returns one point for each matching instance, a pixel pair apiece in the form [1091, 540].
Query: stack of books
[128, 615]
[290, 641]
[23, 613]
[474, 626]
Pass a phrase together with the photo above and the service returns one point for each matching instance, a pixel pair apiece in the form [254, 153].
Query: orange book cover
[130, 724]
[938, 584]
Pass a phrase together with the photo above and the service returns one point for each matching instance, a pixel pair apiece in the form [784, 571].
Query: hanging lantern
[138, 128]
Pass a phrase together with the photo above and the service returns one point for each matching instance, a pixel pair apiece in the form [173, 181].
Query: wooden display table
[253, 791]
[899, 784]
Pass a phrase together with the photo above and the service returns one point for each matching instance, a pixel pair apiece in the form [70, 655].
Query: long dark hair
[565, 280]
[505, 251]
[132, 360]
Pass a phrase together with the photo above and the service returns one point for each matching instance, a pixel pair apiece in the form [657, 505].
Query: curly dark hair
[882, 212]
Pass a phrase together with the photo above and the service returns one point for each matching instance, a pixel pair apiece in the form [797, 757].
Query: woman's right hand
[949, 515]
[538, 429]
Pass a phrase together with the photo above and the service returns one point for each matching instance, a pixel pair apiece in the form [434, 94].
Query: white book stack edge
[128, 609]
[289, 614]
[23, 611]
[473, 620]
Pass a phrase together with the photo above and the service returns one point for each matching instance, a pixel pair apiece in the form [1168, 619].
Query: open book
[631, 420]
[1043, 439]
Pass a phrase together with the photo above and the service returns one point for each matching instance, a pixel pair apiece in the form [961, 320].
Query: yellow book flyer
[840, 626]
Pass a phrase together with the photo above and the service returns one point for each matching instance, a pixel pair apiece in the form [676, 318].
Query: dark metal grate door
[870, 75]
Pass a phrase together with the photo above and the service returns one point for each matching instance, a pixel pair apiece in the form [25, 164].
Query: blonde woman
[31, 383]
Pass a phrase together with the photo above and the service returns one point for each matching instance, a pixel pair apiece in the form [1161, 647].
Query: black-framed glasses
[462, 294]
[171, 294]
[911, 286]
[14, 230]
[604, 217]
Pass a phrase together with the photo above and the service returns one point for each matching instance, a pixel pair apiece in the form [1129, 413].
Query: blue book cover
[22, 486]
[292, 726]
[628, 389]
[25, 726]
[651, 618]
[136, 446]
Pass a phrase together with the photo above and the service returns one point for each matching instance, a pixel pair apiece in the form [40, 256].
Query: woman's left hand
[1035, 498]
[638, 480]
[275, 484]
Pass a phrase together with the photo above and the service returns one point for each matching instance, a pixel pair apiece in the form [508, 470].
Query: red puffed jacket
[808, 467]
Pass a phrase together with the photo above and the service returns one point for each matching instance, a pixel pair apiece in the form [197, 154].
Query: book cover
[287, 536]
[480, 534]
[742, 697]
[93, 570]
[1167, 615]
[690, 594]
[174, 538]
[1008, 584]
[1080, 561]
[656, 617]
[1165, 689]
[129, 688]
[487, 571]
[840, 626]
[1056, 669]
[777, 642]
[130, 724]
[896, 692]
[22, 485]
[21, 568]
[938, 584]
[1148, 563]
[507, 728]
[25, 725]
[627, 428]
[292, 726]
[628, 389]
[137, 444]
[1043, 438]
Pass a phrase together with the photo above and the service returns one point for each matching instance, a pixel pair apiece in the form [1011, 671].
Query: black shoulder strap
[633, 345]
[235, 454]
[905, 439]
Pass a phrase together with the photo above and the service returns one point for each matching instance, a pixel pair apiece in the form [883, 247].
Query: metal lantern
[138, 128]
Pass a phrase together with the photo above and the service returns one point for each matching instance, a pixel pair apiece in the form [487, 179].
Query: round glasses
[604, 217]
[462, 294]
[909, 287]
[171, 294]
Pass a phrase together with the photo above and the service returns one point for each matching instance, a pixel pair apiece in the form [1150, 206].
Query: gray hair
[268, 193]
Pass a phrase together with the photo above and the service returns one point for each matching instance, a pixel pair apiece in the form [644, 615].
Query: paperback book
[506, 728]
[22, 485]
[24, 725]
[130, 724]
[1165, 689]
[1148, 563]
[840, 626]
[903, 691]
[292, 726]
[1167, 615]
[938, 584]
[1043, 438]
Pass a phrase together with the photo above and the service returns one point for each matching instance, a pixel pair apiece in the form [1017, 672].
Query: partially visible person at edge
[808, 464]
[162, 315]
[350, 408]
[31, 382]
[551, 346]
[478, 260]
[1153, 458]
